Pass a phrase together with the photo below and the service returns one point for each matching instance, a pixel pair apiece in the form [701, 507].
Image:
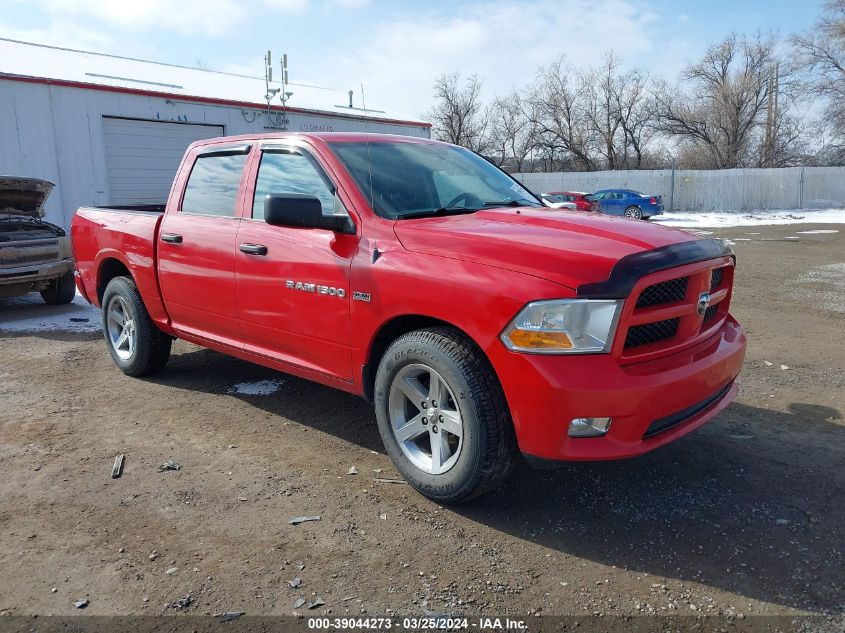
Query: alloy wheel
[120, 324]
[425, 419]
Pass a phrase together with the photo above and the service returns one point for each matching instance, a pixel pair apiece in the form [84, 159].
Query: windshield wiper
[509, 203]
[428, 213]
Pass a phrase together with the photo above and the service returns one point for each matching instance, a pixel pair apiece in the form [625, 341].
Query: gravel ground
[742, 517]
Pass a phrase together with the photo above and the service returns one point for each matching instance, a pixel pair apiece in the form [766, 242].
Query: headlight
[564, 326]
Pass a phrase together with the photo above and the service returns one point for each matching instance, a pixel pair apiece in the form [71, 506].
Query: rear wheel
[442, 415]
[634, 212]
[60, 291]
[136, 345]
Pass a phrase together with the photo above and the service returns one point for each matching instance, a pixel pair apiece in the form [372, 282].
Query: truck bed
[117, 236]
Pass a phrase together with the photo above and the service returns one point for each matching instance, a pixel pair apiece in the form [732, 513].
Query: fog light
[588, 427]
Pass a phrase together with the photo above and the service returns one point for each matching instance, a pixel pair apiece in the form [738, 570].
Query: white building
[112, 130]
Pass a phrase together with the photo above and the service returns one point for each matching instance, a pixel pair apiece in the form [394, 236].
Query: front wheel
[60, 291]
[136, 345]
[442, 415]
[634, 212]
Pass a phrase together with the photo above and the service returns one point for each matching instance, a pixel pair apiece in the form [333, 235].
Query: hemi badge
[360, 296]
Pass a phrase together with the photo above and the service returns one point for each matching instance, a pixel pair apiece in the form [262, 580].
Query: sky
[396, 49]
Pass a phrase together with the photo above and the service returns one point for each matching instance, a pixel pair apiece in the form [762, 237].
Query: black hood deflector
[628, 270]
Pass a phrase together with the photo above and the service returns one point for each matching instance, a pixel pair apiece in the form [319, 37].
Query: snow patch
[721, 219]
[30, 314]
[257, 388]
[817, 232]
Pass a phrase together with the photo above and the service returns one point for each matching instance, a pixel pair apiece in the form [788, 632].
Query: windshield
[422, 179]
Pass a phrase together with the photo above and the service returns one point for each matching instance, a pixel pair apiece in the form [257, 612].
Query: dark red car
[578, 198]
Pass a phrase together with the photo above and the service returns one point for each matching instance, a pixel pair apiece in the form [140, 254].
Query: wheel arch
[388, 332]
[109, 268]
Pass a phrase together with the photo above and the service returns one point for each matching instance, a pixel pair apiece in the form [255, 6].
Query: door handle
[172, 238]
[253, 249]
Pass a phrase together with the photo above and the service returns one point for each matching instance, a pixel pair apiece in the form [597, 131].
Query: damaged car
[35, 255]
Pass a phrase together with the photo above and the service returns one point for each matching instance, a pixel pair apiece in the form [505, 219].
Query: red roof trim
[169, 95]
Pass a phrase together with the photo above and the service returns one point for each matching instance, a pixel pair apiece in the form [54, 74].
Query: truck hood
[566, 247]
[23, 196]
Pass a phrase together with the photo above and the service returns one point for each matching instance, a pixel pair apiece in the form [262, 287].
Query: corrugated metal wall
[142, 156]
[711, 190]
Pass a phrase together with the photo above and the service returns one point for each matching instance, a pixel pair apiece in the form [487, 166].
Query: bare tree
[727, 97]
[513, 134]
[558, 100]
[637, 110]
[601, 88]
[791, 143]
[822, 52]
[459, 115]
[602, 118]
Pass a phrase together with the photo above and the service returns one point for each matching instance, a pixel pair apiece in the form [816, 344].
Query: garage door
[142, 156]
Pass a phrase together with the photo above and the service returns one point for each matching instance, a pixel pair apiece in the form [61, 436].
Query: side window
[212, 187]
[284, 172]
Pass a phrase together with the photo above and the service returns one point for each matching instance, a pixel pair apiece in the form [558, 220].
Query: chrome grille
[29, 252]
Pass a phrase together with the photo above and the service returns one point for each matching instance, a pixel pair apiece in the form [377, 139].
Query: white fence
[711, 190]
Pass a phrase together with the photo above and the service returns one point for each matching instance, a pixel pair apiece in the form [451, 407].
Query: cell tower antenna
[268, 79]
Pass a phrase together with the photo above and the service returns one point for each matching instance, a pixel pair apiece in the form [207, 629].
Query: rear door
[293, 284]
[196, 247]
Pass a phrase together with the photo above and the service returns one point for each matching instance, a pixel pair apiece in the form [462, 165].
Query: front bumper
[35, 272]
[546, 392]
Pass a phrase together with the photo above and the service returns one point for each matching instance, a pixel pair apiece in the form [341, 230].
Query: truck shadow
[750, 503]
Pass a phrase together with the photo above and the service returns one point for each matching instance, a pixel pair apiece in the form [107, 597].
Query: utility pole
[672, 184]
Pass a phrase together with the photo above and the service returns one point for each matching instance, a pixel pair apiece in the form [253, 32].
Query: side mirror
[303, 212]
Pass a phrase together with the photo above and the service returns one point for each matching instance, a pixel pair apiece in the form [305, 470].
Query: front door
[196, 249]
[293, 284]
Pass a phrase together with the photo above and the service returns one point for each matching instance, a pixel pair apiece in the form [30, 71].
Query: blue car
[631, 204]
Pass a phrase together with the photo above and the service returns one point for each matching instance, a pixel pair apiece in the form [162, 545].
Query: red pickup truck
[419, 276]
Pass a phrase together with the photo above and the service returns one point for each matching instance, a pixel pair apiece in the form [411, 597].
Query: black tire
[60, 291]
[152, 346]
[489, 448]
[634, 212]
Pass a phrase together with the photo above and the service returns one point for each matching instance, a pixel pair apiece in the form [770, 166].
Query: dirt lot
[744, 516]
